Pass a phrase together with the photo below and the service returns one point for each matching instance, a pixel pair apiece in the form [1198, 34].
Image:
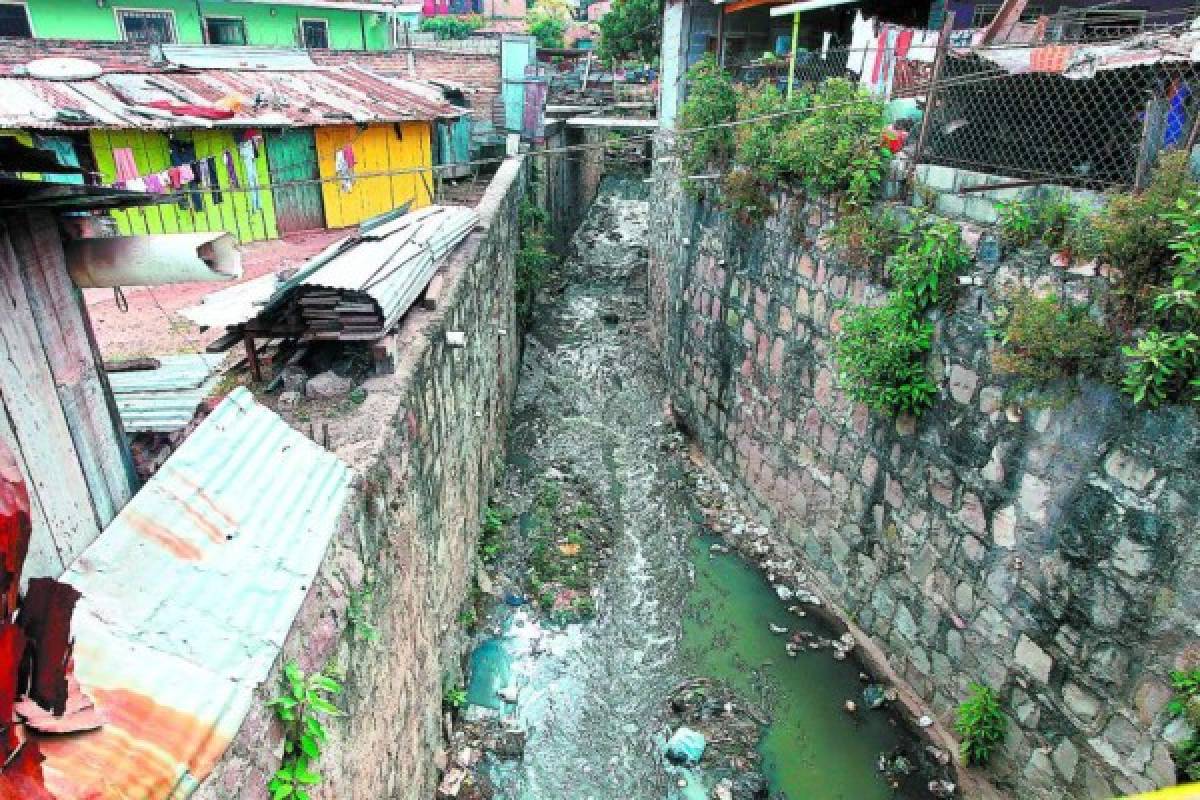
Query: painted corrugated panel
[377, 148]
[187, 599]
[164, 399]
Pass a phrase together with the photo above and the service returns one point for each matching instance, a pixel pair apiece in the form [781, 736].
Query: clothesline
[194, 178]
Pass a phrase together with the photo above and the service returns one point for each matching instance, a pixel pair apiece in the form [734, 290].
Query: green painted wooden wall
[151, 150]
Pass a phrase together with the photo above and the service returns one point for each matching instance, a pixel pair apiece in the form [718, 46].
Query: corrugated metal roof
[327, 95]
[1083, 61]
[187, 599]
[394, 262]
[164, 399]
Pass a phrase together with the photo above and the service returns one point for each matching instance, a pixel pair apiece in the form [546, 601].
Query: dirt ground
[152, 325]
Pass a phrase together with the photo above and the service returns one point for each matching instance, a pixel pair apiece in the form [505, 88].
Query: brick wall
[424, 444]
[1051, 552]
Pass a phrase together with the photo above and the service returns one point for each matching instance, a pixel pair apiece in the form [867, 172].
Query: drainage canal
[624, 620]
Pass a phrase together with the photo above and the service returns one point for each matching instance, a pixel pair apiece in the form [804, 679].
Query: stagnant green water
[590, 413]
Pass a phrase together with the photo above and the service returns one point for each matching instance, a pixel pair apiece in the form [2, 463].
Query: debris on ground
[719, 731]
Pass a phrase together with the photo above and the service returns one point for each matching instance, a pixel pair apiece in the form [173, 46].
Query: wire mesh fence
[1082, 104]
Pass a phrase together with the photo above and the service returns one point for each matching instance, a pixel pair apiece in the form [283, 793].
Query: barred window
[225, 30]
[986, 12]
[314, 33]
[147, 27]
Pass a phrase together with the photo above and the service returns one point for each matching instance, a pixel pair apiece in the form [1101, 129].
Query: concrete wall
[425, 442]
[1052, 554]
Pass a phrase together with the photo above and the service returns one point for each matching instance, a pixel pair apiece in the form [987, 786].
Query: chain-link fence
[1090, 105]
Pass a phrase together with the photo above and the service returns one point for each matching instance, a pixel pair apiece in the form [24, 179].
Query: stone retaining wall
[384, 610]
[1050, 553]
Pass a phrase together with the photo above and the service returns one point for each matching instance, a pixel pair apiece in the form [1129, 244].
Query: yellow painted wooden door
[392, 166]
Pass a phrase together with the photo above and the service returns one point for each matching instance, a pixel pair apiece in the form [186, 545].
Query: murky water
[590, 412]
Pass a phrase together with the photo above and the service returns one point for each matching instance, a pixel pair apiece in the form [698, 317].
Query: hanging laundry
[126, 165]
[246, 148]
[862, 43]
[186, 174]
[154, 183]
[174, 178]
[214, 169]
[136, 184]
[209, 180]
[231, 170]
[189, 110]
[345, 167]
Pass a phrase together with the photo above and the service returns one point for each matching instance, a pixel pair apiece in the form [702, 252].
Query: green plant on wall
[534, 259]
[881, 352]
[1053, 219]
[1164, 364]
[452, 27]
[358, 612]
[981, 724]
[1046, 339]
[881, 357]
[925, 265]
[1186, 703]
[710, 101]
[454, 698]
[301, 708]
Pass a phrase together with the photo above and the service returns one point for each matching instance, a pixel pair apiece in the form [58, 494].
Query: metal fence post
[939, 61]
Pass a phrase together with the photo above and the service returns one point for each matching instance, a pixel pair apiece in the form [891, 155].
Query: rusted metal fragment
[81, 713]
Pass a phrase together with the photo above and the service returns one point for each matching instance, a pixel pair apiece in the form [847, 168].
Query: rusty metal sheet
[187, 598]
[325, 95]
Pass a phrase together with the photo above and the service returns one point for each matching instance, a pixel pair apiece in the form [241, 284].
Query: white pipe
[153, 260]
[806, 5]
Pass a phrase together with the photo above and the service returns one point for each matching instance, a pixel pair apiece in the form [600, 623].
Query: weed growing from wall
[1186, 703]
[1164, 364]
[881, 351]
[980, 724]
[1055, 220]
[301, 707]
[1047, 339]
[534, 259]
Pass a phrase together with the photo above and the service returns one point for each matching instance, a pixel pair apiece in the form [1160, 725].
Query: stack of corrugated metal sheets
[164, 400]
[360, 288]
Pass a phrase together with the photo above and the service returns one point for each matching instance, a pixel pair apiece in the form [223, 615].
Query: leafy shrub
[1186, 703]
[533, 259]
[930, 256]
[757, 144]
[491, 532]
[838, 147]
[547, 26]
[1164, 362]
[304, 700]
[1052, 218]
[454, 697]
[1046, 339]
[745, 195]
[452, 27]
[1161, 367]
[710, 101]
[869, 235]
[1135, 231]
[980, 724]
[881, 357]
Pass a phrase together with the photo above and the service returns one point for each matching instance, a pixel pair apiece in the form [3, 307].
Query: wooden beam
[742, 5]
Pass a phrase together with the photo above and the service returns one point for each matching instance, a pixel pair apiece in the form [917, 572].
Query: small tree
[981, 724]
[631, 29]
[547, 26]
[711, 101]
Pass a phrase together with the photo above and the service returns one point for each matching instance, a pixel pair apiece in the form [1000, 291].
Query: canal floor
[590, 413]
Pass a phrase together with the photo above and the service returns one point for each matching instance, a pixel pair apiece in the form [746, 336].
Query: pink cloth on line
[125, 163]
[348, 154]
[903, 42]
[155, 183]
[186, 174]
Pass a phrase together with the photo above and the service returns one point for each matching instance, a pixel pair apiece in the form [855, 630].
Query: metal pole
[792, 58]
[939, 62]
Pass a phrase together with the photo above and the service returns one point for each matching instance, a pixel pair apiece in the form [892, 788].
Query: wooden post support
[939, 62]
[252, 356]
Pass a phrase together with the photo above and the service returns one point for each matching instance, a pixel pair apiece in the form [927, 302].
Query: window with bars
[14, 21]
[985, 12]
[314, 33]
[225, 30]
[147, 27]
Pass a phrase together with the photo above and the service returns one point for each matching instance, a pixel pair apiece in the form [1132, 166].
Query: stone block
[1129, 469]
[1004, 527]
[962, 383]
[1033, 498]
[939, 177]
[971, 514]
[1033, 659]
[1066, 759]
[1080, 703]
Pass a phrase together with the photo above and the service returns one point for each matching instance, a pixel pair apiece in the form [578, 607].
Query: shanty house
[257, 143]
